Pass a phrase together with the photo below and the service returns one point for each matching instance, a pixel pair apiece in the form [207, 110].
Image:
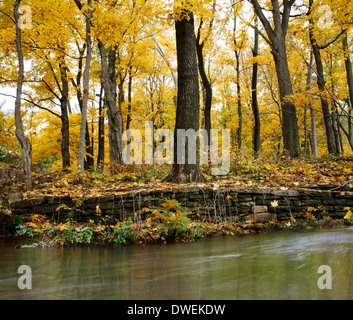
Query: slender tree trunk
[65, 125]
[174, 77]
[20, 134]
[101, 132]
[314, 150]
[330, 137]
[336, 130]
[277, 39]
[188, 107]
[308, 87]
[89, 160]
[321, 83]
[348, 133]
[86, 76]
[349, 74]
[129, 107]
[240, 112]
[254, 100]
[206, 86]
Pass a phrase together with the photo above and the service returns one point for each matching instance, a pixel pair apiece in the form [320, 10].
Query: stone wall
[10, 176]
[211, 204]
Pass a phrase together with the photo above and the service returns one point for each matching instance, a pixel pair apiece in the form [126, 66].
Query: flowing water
[281, 265]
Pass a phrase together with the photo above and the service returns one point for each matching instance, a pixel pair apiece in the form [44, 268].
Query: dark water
[281, 265]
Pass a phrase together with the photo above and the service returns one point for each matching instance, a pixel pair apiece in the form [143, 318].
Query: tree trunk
[83, 132]
[330, 137]
[254, 100]
[114, 115]
[101, 132]
[321, 83]
[65, 125]
[188, 106]
[349, 75]
[348, 133]
[277, 40]
[314, 150]
[129, 107]
[240, 112]
[206, 86]
[20, 134]
[89, 160]
[289, 114]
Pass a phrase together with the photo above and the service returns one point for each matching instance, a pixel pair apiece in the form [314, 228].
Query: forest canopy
[276, 74]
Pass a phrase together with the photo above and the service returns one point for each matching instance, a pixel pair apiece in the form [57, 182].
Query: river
[279, 265]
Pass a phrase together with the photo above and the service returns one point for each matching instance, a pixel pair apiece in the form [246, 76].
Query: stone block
[46, 209]
[260, 217]
[259, 209]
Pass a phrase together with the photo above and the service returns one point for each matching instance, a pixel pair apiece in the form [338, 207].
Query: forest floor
[170, 223]
[326, 174]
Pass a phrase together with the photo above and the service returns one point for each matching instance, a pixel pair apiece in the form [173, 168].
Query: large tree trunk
[20, 134]
[289, 115]
[188, 106]
[254, 101]
[115, 120]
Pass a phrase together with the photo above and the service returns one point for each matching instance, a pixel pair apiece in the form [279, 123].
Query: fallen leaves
[348, 214]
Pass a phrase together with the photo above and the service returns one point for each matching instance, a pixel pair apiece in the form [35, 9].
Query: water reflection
[279, 265]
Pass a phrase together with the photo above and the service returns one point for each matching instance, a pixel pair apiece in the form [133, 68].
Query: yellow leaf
[348, 215]
[229, 197]
[274, 204]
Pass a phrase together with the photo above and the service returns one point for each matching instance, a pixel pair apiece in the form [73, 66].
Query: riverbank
[164, 227]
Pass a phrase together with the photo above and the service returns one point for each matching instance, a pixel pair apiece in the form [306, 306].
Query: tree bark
[188, 105]
[65, 124]
[101, 132]
[321, 83]
[20, 134]
[314, 150]
[240, 112]
[254, 100]
[86, 76]
[277, 38]
[109, 82]
[206, 85]
[349, 75]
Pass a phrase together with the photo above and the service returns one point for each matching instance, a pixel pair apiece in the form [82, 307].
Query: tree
[188, 105]
[254, 100]
[277, 41]
[20, 134]
[86, 77]
[321, 83]
[206, 83]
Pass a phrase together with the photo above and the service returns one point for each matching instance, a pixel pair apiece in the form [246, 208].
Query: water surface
[281, 265]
